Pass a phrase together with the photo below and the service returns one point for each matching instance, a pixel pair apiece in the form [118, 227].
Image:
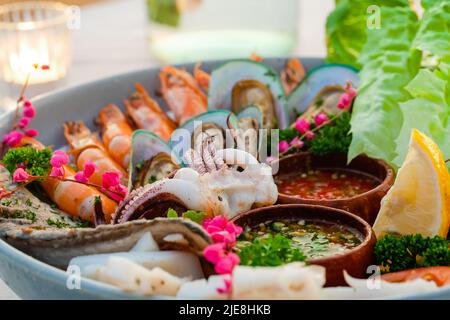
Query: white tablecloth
[112, 39]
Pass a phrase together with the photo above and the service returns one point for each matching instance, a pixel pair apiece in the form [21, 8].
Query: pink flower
[23, 123]
[13, 138]
[31, 133]
[350, 90]
[302, 125]
[223, 237]
[123, 190]
[59, 158]
[226, 264]
[89, 169]
[81, 177]
[110, 179]
[233, 229]
[214, 252]
[297, 143]
[227, 288]
[117, 193]
[57, 172]
[29, 112]
[344, 101]
[27, 104]
[219, 222]
[310, 135]
[20, 175]
[283, 145]
[320, 119]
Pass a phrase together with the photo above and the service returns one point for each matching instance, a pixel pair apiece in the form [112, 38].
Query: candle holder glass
[34, 32]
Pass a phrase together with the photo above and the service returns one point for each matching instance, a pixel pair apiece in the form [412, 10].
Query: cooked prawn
[202, 77]
[87, 147]
[116, 133]
[182, 94]
[145, 113]
[255, 57]
[292, 74]
[74, 198]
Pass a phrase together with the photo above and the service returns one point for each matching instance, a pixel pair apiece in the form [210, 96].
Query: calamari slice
[146, 244]
[203, 289]
[178, 263]
[132, 277]
[290, 281]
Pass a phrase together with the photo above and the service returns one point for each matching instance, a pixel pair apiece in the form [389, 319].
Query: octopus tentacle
[195, 161]
[207, 155]
[218, 160]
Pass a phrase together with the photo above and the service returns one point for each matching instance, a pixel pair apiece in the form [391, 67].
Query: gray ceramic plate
[32, 279]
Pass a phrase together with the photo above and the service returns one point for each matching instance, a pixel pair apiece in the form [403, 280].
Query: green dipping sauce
[315, 239]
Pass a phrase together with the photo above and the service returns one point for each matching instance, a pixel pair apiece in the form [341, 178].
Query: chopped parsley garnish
[25, 214]
[83, 224]
[270, 251]
[196, 216]
[57, 223]
[7, 203]
[172, 213]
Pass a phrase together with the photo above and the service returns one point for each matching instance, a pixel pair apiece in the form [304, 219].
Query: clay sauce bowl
[365, 205]
[354, 261]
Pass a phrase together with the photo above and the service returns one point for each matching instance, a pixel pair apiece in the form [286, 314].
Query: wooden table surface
[113, 39]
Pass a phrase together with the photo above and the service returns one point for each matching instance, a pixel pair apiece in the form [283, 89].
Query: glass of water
[199, 30]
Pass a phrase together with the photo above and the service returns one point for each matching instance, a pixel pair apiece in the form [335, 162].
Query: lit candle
[34, 33]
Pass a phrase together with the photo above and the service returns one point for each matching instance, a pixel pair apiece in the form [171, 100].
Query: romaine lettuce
[388, 65]
[429, 109]
[346, 28]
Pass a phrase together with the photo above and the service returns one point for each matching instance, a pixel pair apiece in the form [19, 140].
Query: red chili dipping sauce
[327, 184]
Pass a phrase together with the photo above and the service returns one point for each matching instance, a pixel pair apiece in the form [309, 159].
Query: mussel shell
[211, 130]
[158, 167]
[215, 122]
[254, 93]
[225, 78]
[251, 112]
[250, 122]
[149, 152]
[327, 75]
[325, 101]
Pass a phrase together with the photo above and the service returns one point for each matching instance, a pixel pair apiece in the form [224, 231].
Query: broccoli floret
[396, 253]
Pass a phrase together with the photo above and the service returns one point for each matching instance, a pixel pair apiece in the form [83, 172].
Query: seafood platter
[277, 178]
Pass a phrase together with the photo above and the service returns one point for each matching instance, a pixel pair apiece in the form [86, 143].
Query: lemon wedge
[419, 200]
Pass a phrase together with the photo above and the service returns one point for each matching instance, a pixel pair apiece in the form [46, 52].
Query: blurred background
[84, 40]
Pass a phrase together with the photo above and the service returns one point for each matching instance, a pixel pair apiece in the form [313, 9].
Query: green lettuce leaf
[346, 28]
[388, 65]
[429, 108]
